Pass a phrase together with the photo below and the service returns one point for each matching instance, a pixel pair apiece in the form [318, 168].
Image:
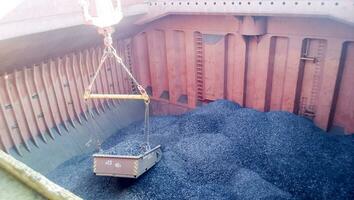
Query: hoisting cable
[109, 51]
[147, 127]
[107, 14]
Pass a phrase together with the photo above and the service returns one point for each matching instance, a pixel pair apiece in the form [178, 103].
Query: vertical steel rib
[23, 139]
[116, 76]
[71, 95]
[51, 71]
[88, 66]
[32, 106]
[46, 87]
[2, 143]
[103, 74]
[41, 103]
[63, 92]
[109, 85]
[32, 132]
[86, 102]
[98, 80]
[79, 94]
[9, 130]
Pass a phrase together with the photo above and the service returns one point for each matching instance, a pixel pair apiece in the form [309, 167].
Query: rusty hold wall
[41, 102]
[300, 65]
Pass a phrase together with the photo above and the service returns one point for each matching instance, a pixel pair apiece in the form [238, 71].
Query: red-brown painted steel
[78, 86]
[58, 98]
[141, 59]
[30, 126]
[95, 62]
[33, 102]
[43, 104]
[42, 97]
[115, 75]
[344, 107]
[17, 114]
[293, 65]
[84, 80]
[90, 73]
[191, 71]
[50, 98]
[63, 85]
[70, 80]
[101, 78]
[10, 125]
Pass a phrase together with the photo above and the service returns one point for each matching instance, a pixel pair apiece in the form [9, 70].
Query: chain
[104, 56]
[120, 61]
[147, 127]
[109, 51]
[146, 147]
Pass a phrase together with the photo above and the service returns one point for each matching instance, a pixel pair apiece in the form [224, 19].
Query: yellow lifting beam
[115, 96]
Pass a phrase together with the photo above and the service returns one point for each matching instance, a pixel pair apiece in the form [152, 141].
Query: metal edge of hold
[33, 179]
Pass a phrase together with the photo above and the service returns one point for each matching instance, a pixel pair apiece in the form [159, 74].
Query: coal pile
[131, 147]
[223, 151]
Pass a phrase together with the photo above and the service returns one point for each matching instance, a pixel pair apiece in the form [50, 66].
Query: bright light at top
[107, 15]
[7, 6]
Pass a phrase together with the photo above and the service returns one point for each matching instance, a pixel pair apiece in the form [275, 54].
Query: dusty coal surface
[223, 151]
[131, 147]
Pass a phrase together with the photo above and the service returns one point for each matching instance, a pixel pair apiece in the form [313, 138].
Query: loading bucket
[125, 166]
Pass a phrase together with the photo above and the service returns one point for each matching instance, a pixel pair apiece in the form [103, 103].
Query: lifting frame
[119, 165]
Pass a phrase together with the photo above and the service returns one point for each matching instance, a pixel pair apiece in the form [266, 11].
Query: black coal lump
[249, 185]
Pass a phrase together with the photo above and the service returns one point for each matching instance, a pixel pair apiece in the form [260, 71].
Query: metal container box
[125, 166]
